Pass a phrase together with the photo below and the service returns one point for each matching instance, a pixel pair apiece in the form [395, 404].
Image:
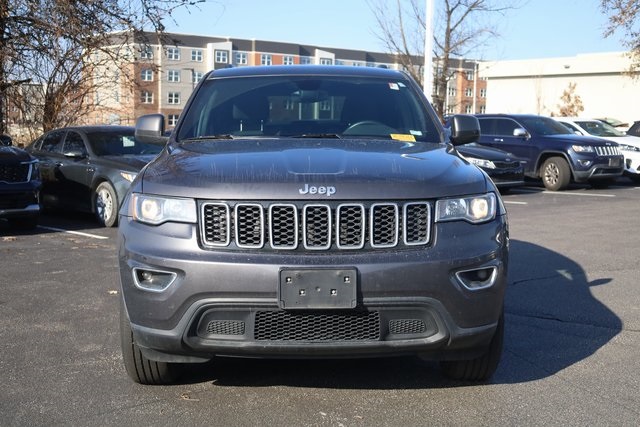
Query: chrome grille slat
[306, 226]
[607, 151]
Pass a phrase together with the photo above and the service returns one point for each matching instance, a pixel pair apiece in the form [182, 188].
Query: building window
[468, 92]
[196, 76]
[305, 60]
[241, 58]
[483, 109]
[196, 55]
[326, 61]
[173, 53]
[172, 120]
[288, 60]
[173, 76]
[146, 52]
[146, 75]
[222, 56]
[265, 59]
[173, 98]
[451, 91]
[467, 110]
[146, 97]
[483, 93]
[469, 75]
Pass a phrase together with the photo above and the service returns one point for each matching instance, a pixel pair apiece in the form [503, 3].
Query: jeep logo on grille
[311, 189]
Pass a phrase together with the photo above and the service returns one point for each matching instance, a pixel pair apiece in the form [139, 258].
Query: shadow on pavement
[552, 322]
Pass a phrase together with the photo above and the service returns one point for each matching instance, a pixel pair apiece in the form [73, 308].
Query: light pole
[428, 51]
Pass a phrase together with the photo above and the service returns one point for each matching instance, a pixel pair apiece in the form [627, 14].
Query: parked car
[634, 130]
[615, 123]
[90, 168]
[551, 151]
[629, 145]
[503, 168]
[19, 185]
[311, 212]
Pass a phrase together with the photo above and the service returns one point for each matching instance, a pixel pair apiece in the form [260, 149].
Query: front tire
[138, 367]
[480, 368]
[106, 205]
[556, 174]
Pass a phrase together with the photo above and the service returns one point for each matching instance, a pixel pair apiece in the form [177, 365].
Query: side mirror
[150, 129]
[5, 140]
[521, 133]
[464, 129]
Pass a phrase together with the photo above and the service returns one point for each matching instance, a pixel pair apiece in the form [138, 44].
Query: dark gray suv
[552, 152]
[311, 212]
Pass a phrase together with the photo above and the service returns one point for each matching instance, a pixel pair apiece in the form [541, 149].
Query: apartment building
[161, 76]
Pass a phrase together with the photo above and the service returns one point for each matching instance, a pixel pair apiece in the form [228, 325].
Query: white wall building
[535, 85]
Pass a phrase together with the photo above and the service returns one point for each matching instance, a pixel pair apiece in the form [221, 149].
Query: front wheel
[480, 368]
[138, 367]
[106, 204]
[556, 174]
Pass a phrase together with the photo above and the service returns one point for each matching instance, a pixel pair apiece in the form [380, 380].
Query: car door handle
[498, 140]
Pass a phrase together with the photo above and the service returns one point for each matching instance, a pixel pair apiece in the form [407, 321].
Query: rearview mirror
[464, 129]
[150, 129]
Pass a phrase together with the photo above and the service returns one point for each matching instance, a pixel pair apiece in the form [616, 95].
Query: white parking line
[565, 193]
[79, 233]
[507, 202]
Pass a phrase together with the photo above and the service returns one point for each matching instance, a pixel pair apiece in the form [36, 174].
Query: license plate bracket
[317, 288]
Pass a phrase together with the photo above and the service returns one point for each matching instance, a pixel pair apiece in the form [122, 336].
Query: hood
[487, 153]
[310, 169]
[129, 162]
[577, 139]
[11, 155]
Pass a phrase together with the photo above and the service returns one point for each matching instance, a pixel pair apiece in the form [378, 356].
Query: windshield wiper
[206, 137]
[317, 135]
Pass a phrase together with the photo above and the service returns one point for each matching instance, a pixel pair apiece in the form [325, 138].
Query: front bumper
[19, 200]
[597, 167]
[227, 303]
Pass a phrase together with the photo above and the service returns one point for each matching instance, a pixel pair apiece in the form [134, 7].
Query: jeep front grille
[607, 150]
[15, 173]
[314, 226]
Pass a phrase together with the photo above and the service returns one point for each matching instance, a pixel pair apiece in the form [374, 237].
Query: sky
[539, 29]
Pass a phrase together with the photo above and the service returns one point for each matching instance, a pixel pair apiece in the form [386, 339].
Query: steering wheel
[369, 127]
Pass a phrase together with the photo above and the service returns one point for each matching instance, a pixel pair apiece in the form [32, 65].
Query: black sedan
[505, 170]
[90, 168]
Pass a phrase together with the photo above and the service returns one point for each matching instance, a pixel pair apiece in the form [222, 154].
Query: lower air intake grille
[287, 326]
[225, 327]
[407, 326]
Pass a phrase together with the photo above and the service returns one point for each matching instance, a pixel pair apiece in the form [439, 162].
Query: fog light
[477, 279]
[153, 280]
[584, 163]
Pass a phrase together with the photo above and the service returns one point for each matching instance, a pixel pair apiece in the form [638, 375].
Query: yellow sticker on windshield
[403, 137]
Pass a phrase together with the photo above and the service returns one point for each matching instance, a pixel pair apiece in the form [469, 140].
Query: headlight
[157, 210]
[582, 148]
[473, 209]
[487, 164]
[625, 147]
[129, 176]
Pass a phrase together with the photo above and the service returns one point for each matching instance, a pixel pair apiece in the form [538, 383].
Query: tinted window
[303, 105]
[119, 143]
[73, 142]
[52, 142]
[539, 125]
[505, 127]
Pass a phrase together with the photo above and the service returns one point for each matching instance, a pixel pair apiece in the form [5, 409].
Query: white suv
[629, 145]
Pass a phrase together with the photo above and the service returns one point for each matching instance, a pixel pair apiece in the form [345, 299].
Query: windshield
[308, 107]
[120, 144]
[598, 128]
[538, 125]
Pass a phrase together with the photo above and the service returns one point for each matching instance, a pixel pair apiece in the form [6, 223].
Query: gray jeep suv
[311, 211]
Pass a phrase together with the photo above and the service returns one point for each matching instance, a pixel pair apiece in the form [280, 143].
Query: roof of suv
[336, 70]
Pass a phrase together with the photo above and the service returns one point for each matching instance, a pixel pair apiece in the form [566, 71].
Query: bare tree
[460, 26]
[571, 103]
[48, 51]
[624, 15]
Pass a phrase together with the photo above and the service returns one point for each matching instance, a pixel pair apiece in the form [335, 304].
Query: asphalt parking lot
[571, 346]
